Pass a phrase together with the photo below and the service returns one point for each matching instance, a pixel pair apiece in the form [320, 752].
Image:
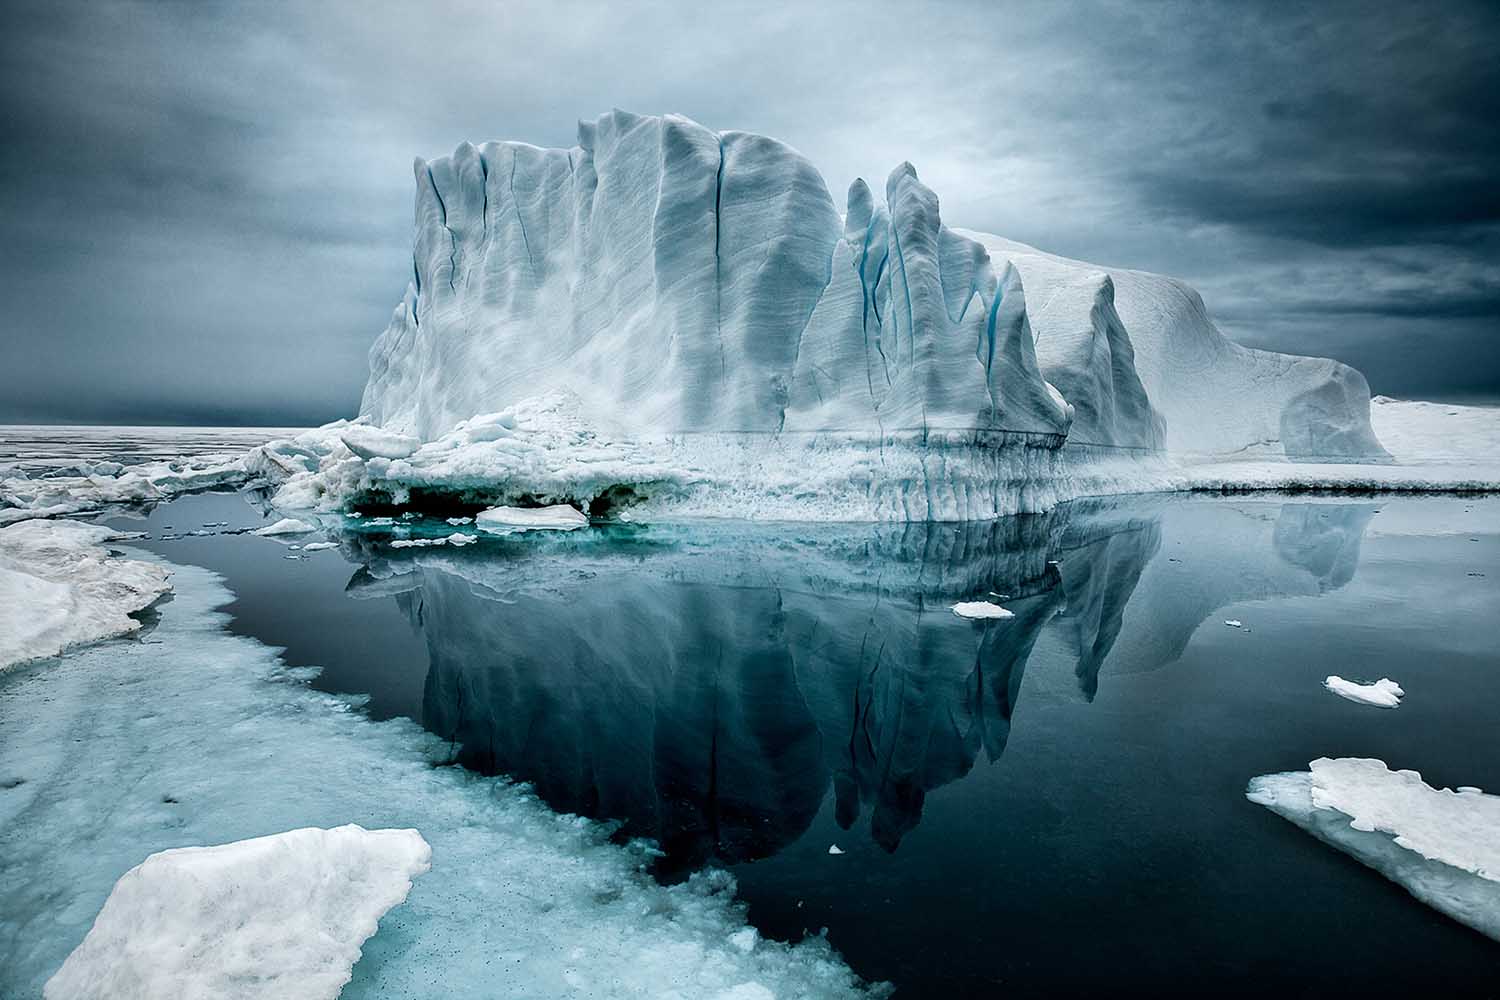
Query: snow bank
[1384, 693]
[1442, 846]
[558, 517]
[277, 916]
[59, 587]
[208, 738]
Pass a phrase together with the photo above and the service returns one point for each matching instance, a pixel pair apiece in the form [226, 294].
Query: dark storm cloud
[205, 209]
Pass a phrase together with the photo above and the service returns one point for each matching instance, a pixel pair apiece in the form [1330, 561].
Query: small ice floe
[1234, 623]
[319, 546]
[980, 610]
[460, 520]
[460, 539]
[277, 916]
[417, 543]
[1384, 693]
[381, 522]
[294, 547]
[1442, 846]
[558, 517]
[835, 849]
[285, 526]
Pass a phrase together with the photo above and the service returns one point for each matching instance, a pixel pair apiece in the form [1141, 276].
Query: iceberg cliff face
[1216, 397]
[680, 280]
[672, 314]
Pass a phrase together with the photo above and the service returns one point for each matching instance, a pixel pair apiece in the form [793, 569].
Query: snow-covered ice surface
[207, 738]
[1442, 846]
[1384, 693]
[1417, 432]
[52, 471]
[61, 587]
[270, 917]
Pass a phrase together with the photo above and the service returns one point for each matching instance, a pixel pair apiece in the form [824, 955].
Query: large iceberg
[700, 295]
[683, 319]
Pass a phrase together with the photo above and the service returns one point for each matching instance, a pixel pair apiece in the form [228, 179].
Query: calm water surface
[1047, 804]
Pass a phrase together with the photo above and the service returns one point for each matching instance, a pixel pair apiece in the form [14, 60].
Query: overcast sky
[206, 210]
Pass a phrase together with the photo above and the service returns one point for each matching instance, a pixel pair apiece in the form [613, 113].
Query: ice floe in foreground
[1384, 693]
[1442, 846]
[208, 738]
[60, 587]
[276, 916]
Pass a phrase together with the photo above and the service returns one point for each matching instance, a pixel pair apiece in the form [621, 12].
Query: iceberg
[60, 588]
[669, 315]
[1440, 845]
[282, 915]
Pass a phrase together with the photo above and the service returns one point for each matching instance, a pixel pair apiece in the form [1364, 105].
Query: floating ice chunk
[980, 609]
[1384, 693]
[835, 849]
[1442, 846]
[460, 520]
[286, 526]
[319, 546]
[276, 916]
[417, 543]
[59, 587]
[376, 442]
[1234, 623]
[460, 539]
[558, 517]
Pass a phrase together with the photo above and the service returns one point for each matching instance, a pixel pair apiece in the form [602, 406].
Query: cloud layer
[205, 210]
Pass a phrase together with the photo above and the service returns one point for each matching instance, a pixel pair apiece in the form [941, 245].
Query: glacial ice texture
[686, 281]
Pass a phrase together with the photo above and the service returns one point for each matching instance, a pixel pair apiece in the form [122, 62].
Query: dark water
[1048, 804]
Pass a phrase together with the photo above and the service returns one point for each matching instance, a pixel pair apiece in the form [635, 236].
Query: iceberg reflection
[706, 685]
